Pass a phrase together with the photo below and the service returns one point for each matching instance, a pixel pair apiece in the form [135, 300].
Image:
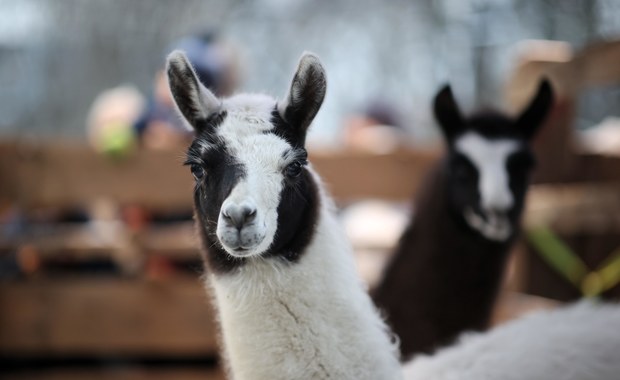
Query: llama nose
[239, 215]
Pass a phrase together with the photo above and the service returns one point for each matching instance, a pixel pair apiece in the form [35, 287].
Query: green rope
[567, 263]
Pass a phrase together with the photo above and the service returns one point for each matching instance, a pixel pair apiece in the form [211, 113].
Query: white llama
[578, 342]
[281, 270]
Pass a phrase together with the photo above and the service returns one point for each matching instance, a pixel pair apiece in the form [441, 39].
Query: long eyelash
[191, 160]
[193, 157]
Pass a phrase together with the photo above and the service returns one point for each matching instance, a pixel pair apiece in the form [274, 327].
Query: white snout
[241, 228]
[491, 225]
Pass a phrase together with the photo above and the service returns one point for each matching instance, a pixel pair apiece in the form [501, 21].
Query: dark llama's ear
[306, 94]
[447, 113]
[193, 100]
[536, 112]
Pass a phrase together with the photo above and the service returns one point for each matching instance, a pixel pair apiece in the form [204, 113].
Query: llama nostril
[250, 216]
[239, 216]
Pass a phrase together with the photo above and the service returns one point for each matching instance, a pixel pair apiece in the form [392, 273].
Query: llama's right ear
[306, 93]
[194, 101]
[447, 113]
[532, 118]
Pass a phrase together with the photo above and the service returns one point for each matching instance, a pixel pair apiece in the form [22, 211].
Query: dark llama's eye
[294, 169]
[197, 171]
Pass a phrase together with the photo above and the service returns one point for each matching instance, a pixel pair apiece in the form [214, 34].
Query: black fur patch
[222, 173]
[493, 126]
[306, 96]
[297, 211]
[183, 84]
[292, 134]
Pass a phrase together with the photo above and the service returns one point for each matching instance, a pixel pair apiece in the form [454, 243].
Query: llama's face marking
[484, 162]
[489, 162]
[254, 195]
[247, 167]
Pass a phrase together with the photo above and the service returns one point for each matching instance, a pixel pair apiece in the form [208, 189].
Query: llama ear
[306, 94]
[447, 113]
[193, 100]
[536, 112]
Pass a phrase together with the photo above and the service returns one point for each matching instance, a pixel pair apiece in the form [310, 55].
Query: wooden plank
[8, 173]
[50, 240]
[177, 240]
[575, 208]
[98, 316]
[351, 175]
[115, 373]
[65, 174]
[70, 174]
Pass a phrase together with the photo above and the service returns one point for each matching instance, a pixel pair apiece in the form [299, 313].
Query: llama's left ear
[306, 93]
[447, 113]
[536, 112]
[194, 101]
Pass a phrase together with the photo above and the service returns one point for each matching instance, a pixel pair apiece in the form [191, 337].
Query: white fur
[248, 117]
[579, 342]
[489, 157]
[309, 319]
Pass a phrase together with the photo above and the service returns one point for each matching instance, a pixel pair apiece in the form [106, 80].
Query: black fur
[295, 136]
[222, 173]
[534, 114]
[462, 175]
[444, 275]
[299, 198]
[443, 278]
[185, 89]
[306, 96]
[217, 172]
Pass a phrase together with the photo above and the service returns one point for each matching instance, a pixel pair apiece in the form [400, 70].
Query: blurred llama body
[577, 342]
[444, 276]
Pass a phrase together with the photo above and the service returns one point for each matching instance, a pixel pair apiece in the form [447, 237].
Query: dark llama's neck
[443, 277]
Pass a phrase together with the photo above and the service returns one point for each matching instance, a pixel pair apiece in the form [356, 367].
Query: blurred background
[58, 56]
[99, 271]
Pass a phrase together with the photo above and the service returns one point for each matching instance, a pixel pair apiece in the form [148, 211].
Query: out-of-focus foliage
[56, 56]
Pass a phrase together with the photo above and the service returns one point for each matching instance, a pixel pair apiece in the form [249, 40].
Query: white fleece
[578, 342]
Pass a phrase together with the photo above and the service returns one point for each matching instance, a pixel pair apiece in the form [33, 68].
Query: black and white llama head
[489, 162]
[254, 194]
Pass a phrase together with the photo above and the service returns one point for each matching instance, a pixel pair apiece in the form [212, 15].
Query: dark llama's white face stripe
[489, 161]
[490, 158]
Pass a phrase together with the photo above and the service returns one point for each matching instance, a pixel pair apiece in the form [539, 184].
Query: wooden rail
[106, 316]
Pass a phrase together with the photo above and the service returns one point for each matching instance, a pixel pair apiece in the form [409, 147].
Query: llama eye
[197, 171]
[293, 170]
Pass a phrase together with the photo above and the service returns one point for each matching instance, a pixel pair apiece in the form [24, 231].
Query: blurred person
[377, 129]
[215, 63]
[121, 118]
[111, 118]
